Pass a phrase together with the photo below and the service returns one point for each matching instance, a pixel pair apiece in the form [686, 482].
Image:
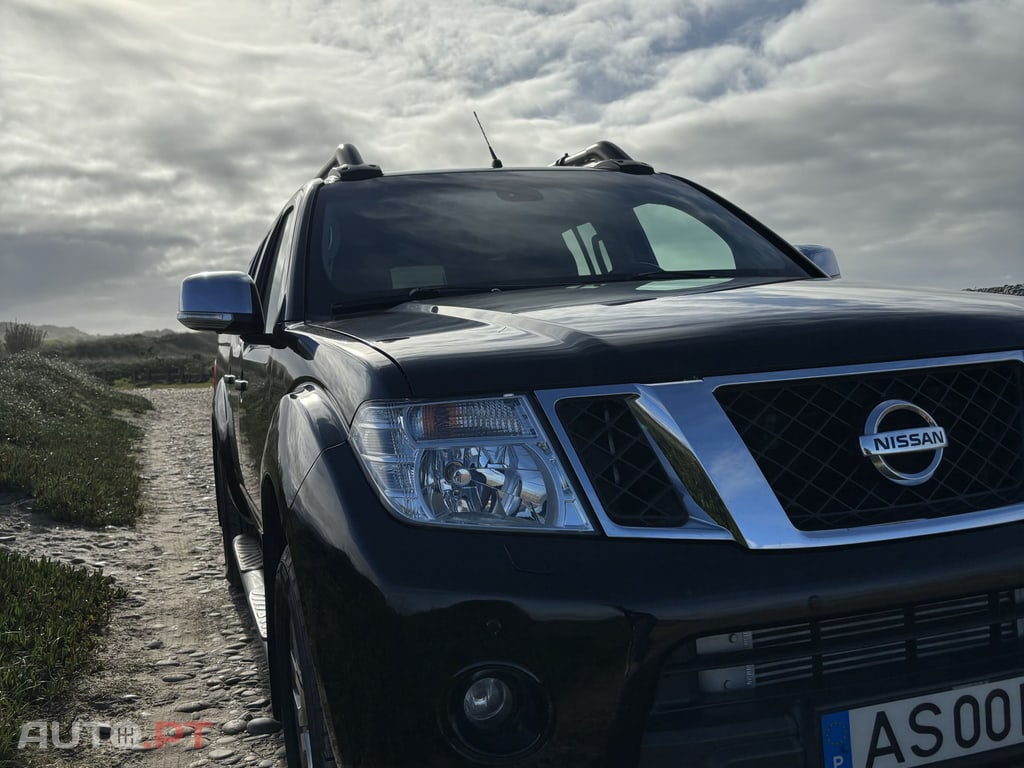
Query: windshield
[399, 237]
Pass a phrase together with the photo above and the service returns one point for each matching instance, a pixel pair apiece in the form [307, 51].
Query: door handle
[229, 378]
[241, 385]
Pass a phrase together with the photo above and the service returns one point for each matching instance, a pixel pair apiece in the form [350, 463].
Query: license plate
[926, 729]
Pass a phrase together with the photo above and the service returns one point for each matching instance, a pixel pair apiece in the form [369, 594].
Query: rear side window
[271, 287]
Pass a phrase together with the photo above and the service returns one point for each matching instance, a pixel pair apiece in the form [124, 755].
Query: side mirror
[823, 258]
[226, 302]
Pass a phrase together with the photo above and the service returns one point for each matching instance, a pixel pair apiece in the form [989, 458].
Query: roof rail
[347, 165]
[595, 153]
[604, 154]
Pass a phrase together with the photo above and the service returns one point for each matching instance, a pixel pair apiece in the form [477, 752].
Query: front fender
[305, 424]
[395, 612]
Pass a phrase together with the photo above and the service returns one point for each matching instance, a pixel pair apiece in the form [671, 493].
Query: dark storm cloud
[54, 264]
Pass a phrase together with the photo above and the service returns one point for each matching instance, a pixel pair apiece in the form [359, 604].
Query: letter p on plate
[838, 761]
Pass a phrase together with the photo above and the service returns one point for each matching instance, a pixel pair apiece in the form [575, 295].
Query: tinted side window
[254, 262]
[273, 271]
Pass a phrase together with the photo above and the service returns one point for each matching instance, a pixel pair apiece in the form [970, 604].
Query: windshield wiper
[390, 300]
[367, 302]
[689, 274]
[433, 291]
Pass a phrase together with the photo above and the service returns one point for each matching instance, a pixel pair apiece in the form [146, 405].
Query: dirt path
[181, 648]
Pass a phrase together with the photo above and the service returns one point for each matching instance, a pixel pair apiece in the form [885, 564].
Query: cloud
[905, 157]
[141, 141]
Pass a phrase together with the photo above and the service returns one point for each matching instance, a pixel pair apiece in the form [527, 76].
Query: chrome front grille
[818, 654]
[773, 460]
[803, 435]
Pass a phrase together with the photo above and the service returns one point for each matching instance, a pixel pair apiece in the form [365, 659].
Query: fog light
[496, 712]
[488, 700]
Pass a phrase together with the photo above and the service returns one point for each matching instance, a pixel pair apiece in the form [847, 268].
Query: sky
[143, 141]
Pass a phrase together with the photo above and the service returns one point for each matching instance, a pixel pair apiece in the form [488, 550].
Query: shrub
[22, 337]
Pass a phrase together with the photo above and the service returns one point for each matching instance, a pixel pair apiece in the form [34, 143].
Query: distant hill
[150, 357]
[155, 357]
[53, 332]
[150, 344]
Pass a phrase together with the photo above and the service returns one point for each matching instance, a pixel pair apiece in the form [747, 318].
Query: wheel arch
[306, 423]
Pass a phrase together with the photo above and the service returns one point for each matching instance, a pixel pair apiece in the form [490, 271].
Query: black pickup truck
[580, 465]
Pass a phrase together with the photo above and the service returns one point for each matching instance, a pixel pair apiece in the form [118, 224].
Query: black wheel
[305, 727]
[229, 524]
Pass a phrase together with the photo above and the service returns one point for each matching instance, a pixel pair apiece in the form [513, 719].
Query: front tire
[305, 727]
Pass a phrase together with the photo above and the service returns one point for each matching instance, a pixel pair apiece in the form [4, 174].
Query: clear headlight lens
[482, 462]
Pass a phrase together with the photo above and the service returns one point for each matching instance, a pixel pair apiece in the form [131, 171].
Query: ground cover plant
[51, 615]
[63, 439]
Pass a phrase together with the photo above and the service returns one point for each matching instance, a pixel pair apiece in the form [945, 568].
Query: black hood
[614, 334]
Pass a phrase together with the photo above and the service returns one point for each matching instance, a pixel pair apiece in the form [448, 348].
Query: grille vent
[618, 458]
[804, 437]
[810, 656]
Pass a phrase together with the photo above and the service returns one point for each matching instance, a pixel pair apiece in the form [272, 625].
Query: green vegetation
[128, 360]
[50, 618]
[61, 440]
[20, 337]
[141, 359]
[53, 332]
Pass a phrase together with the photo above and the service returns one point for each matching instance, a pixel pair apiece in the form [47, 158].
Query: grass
[62, 438]
[49, 634]
[142, 359]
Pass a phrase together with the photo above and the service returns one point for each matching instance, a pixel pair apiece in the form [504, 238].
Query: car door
[255, 403]
[227, 367]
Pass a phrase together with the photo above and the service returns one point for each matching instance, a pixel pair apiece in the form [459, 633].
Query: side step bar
[249, 557]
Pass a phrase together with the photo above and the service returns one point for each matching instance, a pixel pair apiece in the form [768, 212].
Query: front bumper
[397, 613]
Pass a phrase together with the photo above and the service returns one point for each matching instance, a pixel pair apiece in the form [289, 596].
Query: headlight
[484, 462]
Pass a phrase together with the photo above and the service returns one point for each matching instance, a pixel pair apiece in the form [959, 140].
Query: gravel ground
[181, 647]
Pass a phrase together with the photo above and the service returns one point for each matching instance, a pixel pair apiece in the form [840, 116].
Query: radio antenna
[495, 162]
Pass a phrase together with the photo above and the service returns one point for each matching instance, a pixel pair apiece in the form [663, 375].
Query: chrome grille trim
[691, 414]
